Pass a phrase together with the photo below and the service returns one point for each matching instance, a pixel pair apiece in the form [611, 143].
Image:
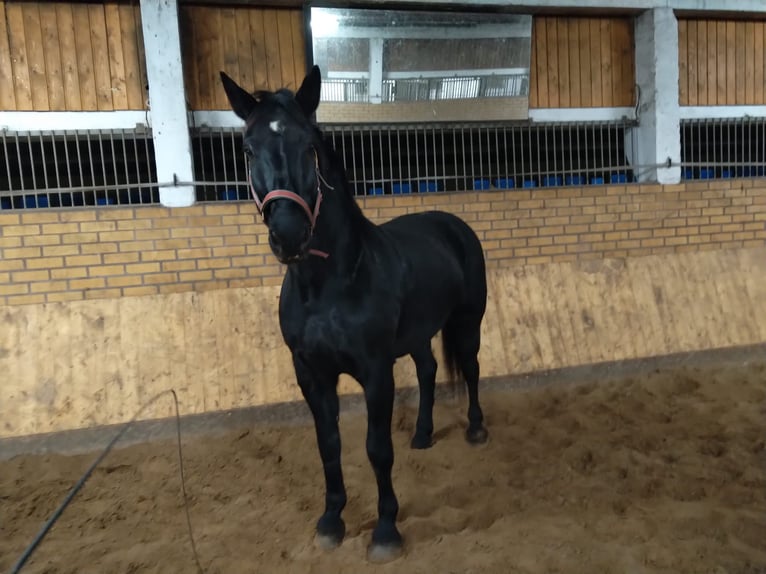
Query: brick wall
[55, 255]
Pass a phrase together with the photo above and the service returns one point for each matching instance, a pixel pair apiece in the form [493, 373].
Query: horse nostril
[274, 237]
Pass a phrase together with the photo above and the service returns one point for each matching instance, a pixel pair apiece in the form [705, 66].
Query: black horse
[356, 296]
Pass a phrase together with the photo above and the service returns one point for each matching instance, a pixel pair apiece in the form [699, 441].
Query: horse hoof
[477, 435]
[421, 442]
[327, 542]
[381, 553]
[330, 532]
[386, 544]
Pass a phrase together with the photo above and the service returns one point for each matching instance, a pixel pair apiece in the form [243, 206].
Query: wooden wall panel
[17, 56]
[61, 56]
[7, 96]
[260, 48]
[582, 62]
[721, 62]
[84, 363]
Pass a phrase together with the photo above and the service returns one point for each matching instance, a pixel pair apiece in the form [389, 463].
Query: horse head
[280, 142]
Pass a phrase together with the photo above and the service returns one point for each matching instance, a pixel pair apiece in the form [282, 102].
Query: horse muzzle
[290, 247]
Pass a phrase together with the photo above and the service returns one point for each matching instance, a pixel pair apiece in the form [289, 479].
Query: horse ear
[241, 102]
[307, 95]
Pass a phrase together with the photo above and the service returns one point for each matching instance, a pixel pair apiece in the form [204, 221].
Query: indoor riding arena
[611, 158]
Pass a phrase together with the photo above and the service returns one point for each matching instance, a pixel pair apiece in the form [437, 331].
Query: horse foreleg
[322, 398]
[379, 396]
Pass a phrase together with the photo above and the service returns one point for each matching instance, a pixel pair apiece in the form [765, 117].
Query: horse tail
[450, 342]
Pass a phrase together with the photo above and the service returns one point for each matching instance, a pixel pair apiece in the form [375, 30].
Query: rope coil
[80, 483]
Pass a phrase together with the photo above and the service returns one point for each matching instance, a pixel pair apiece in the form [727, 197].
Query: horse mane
[284, 98]
[280, 95]
[340, 179]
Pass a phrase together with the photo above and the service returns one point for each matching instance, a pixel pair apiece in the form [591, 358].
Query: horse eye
[248, 152]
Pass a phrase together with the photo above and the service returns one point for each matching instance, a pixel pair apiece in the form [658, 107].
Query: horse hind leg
[425, 365]
[476, 433]
[463, 339]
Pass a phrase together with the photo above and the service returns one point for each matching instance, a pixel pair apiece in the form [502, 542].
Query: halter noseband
[291, 195]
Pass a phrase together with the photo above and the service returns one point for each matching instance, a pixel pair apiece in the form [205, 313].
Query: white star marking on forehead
[275, 126]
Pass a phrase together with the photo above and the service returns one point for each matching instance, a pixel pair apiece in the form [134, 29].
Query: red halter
[291, 195]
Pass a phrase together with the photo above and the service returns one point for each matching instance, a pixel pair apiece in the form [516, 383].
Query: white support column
[658, 136]
[376, 70]
[167, 101]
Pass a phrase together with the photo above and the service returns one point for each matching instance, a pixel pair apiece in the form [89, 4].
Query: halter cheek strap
[291, 195]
